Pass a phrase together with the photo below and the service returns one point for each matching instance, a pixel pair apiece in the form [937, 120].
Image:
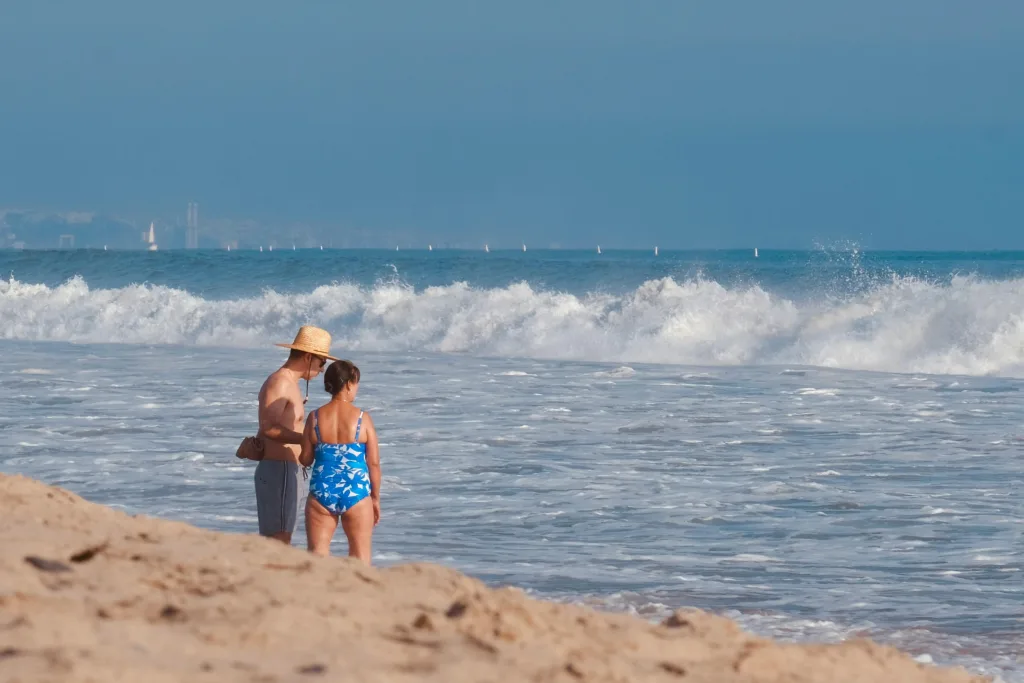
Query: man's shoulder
[278, 384]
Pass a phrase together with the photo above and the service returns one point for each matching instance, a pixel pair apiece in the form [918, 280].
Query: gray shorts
[277, 496]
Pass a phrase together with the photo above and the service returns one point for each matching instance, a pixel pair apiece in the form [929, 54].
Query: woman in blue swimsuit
[340, 442]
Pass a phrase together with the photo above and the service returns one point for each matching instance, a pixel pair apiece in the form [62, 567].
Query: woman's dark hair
[339, 373]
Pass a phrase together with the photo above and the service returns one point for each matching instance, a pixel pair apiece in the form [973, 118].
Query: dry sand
[88, 593]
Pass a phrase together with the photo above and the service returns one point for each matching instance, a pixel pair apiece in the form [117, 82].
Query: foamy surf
[967, 326]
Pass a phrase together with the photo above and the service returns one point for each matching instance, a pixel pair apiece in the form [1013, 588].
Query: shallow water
[820, 444]
[808, 503]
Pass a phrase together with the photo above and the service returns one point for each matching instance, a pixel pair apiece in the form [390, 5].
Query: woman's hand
[376, 511]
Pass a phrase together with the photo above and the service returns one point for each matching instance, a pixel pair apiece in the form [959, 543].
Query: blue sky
[790, 123]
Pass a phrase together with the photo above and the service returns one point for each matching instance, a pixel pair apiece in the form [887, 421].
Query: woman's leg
[320, 526]
[357, 522]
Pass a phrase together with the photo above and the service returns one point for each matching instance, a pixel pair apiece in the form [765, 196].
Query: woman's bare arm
[372, 456]
[306, 455]
[373, 464]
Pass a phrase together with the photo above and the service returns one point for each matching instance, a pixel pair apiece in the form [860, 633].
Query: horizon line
[483, 250]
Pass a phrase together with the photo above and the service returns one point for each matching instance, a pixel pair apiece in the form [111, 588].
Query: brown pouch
[251, 448]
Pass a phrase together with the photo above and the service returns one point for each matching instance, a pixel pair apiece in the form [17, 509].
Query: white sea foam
[966, 326]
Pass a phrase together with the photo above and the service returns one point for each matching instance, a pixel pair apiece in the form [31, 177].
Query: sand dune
[91, 594]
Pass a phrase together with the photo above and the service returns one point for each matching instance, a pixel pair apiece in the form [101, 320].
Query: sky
[789, 124]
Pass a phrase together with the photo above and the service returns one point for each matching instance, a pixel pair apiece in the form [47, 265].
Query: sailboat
[151, 238]
[599, 249]
[261, 248]
[487, 248]
[524, 247]
[430, 247]
[755, 252]
[655, 251]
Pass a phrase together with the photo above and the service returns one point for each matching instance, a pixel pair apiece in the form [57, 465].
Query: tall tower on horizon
[192, 231]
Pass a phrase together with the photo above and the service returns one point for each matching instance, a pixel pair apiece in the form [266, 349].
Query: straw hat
[312, 340]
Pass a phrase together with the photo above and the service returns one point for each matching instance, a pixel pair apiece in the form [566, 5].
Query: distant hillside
[41, 229]
[38, 230]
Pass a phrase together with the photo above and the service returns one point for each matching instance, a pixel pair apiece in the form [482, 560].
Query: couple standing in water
[338, 440]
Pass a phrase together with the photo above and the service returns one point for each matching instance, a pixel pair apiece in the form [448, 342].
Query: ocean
[819, 444]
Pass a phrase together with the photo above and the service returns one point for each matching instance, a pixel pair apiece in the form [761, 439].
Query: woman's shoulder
[317, 415]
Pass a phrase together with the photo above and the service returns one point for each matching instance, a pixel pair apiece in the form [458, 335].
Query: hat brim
[307, 350]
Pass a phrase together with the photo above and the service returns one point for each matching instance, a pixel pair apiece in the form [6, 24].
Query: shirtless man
[281, 417]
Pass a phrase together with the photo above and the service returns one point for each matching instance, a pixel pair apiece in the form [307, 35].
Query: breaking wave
[963, 326]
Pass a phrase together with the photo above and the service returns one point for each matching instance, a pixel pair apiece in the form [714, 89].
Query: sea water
[818, 444]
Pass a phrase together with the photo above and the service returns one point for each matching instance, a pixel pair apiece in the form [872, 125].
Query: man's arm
[277, 420]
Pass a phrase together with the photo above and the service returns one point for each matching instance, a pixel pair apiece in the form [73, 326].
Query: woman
[340, 442]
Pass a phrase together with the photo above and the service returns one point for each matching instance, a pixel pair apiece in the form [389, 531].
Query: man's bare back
[281, 411]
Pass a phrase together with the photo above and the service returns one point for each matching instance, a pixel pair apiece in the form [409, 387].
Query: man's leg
[272, 497]
[290, 502]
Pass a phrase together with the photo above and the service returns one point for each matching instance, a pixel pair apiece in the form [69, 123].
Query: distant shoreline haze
[55, 230]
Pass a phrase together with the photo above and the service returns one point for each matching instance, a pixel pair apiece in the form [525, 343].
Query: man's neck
[294, 372]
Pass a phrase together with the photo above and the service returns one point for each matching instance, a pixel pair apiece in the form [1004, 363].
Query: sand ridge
[88, 593]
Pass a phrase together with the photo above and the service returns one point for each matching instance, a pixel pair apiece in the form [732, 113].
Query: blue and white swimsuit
[340, 475]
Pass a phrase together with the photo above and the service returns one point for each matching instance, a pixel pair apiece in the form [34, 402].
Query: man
[281, 417]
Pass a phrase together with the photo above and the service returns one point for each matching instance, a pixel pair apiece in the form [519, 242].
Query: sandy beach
[88, 593]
